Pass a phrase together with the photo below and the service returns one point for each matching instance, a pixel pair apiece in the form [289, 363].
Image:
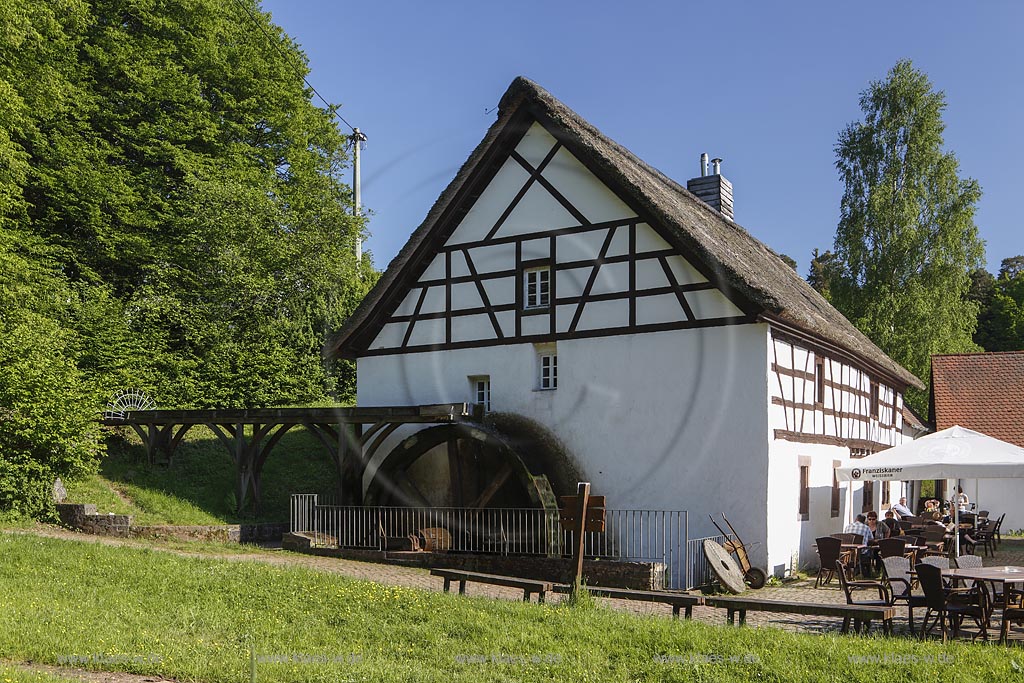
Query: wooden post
[582, 494]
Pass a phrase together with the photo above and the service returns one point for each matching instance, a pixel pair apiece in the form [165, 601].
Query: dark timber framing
[856, 427]
[632, 258]
[340, 430]
[499, 152]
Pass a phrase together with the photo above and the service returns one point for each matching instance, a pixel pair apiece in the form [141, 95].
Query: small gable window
[537, 288]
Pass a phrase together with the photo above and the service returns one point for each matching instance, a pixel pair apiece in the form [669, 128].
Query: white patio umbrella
[954, 453]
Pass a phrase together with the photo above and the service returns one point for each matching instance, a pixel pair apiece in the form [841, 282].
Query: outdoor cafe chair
[940, 561]
[1014, 613]
[848, 538]
[901, 584]
[849, 587]
[984, 536]
[830, 554]
[997, 530]
[976, 562]
[969, 562]
[892, 547]
[983, 514]
[951, 606]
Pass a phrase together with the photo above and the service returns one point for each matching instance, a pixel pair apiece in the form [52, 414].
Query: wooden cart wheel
[755, 578]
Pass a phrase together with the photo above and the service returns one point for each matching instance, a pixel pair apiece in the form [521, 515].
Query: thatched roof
[740, 262]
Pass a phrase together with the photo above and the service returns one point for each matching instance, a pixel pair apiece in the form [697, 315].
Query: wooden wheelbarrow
[754, 576]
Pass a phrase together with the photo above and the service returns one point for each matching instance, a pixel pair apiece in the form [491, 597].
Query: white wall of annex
[997, 496]
[791, 538]
[671, 420]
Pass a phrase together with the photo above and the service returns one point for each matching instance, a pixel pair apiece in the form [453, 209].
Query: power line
[298, 72]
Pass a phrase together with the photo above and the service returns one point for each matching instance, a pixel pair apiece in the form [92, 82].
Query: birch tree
[906, 241]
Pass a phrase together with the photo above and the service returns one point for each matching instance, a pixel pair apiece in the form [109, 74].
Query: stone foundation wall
[609, 573]
[83, 517]
[226, 533]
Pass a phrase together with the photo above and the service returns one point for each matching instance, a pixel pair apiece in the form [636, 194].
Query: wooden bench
[528, 586]
[679, 601]
[861, 615]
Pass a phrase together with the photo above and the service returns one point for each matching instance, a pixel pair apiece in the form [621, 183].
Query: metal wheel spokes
[126, 401]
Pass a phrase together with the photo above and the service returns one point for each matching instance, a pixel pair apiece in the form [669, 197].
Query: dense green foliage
[1001, 299]
[906, 241]
[194, 619]
[172, 218]
[47, 421]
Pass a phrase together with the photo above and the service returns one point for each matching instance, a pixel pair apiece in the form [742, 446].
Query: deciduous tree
[906, 239]
[1001, 320]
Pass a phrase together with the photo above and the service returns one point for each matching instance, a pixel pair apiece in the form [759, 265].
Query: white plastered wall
[669, 420]
[790, 537]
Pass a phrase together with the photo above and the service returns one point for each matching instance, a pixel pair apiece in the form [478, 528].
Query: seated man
[901, 509]
[890, 523]
[859, 526]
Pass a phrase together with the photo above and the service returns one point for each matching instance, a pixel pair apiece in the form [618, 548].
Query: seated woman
[877, 530]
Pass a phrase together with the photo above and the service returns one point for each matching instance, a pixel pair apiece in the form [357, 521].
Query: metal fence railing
[656, 536]
[698, 571]
[642, 536]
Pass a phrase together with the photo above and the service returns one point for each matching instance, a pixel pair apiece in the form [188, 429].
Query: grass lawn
[10, 674]
[198, 487]
[150, 612]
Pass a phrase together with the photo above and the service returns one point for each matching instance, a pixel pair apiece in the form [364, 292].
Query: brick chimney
[712, 188]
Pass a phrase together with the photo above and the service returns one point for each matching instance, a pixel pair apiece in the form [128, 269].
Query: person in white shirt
[901, 509]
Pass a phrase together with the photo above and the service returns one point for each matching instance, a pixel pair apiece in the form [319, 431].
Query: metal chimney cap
[716, 166]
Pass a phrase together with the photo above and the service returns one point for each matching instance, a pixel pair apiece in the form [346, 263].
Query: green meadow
[211, 620]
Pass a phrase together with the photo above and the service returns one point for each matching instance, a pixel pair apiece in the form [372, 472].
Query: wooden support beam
[583, 494]
[485, 497]
[455, 473]
[340, 430]
[403, 482]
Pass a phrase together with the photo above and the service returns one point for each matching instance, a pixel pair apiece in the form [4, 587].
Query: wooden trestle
[341, 430]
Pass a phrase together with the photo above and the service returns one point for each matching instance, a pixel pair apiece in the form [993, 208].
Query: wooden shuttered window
[819, 381]
[869, 497]
[835, 492]
[805, 491]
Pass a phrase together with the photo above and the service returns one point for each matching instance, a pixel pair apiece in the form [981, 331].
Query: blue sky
[766, 86]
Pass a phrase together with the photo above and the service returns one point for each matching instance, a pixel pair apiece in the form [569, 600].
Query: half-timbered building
[678, 362]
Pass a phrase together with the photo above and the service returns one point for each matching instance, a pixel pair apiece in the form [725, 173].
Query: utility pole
[358, 138]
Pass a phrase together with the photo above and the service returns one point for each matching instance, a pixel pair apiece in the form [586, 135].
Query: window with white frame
[548, 371]
[480, 391]
[537, 288]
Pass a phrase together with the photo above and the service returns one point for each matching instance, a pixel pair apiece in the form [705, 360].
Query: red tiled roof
[980, 391]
